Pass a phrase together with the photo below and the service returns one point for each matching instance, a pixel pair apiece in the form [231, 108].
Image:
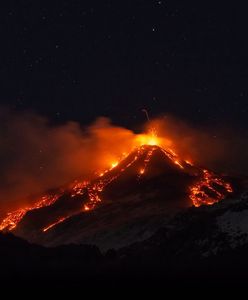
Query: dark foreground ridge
[202, 246]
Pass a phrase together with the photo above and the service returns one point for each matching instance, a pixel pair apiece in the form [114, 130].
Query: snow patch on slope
[235, 225]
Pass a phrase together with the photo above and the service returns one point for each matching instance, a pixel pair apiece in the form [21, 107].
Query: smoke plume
[36, 156]
[220, 148]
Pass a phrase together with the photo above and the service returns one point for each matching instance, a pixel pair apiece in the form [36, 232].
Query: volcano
[124, 204]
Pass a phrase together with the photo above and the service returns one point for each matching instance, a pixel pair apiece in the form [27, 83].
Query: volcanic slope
[125, 204]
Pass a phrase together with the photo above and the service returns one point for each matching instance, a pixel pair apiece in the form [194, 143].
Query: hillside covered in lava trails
[124, 204]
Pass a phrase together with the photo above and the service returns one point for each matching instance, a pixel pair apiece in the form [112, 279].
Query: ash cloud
[221, 148]
[36, 156]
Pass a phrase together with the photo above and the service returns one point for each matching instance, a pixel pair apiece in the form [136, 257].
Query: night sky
[77, 60]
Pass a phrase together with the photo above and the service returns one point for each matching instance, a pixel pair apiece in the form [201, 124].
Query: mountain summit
[124, 204]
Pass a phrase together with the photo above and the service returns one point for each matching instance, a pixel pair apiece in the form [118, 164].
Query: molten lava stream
[209, 182]
[53, 224]
[13, 218]
[146, 144]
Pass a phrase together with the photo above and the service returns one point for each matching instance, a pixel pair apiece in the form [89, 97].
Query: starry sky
[77, 60]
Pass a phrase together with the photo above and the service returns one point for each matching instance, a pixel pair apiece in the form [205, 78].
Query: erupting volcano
[149, 181]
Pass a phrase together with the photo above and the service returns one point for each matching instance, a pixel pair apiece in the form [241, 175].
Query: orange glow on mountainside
[150, 139]
[14, 217]
[207, 190]
[53, 224]
[208, 184]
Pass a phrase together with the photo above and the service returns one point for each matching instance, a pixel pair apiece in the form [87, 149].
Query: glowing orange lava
[208, 188]
[14, 217]
[150, 138]
[114, 164]
[53, 224]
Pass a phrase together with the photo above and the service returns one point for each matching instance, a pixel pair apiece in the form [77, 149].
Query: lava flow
[53, 224]
[14, 217]
[207, 188]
